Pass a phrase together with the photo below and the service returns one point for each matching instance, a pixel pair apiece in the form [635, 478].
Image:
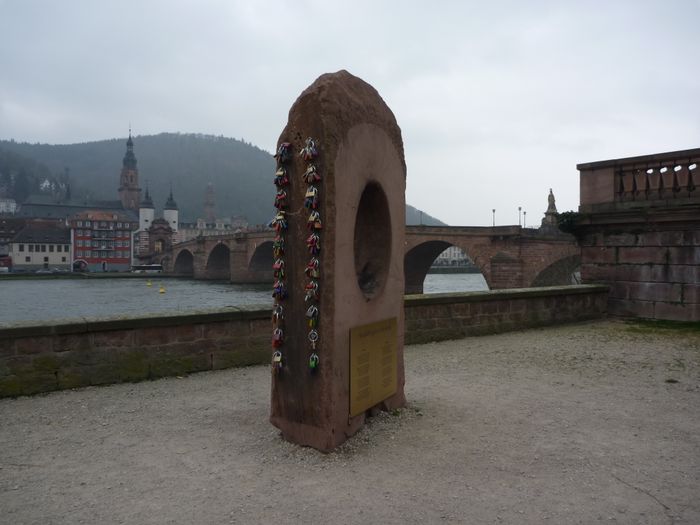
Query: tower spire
[129, 191]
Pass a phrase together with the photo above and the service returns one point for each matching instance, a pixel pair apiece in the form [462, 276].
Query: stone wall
[438, 317]
[42, 358]
[639, 230]
[652, 273]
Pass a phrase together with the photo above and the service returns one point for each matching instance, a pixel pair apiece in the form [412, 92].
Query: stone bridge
[507, 256]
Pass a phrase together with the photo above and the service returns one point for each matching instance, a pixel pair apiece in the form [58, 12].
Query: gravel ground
[586, 423]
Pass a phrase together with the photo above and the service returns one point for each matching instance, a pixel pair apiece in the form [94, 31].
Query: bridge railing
[641, 180]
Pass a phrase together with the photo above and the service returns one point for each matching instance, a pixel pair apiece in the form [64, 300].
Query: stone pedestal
[362, 209]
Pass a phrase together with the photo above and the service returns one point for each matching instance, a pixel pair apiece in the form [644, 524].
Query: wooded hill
[241, 173]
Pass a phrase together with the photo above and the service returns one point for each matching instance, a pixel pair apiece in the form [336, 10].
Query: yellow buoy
[149, 283]
[161, 289]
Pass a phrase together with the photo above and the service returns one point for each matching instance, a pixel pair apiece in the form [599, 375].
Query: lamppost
[519, 221]
[524, 219]
[494, 216]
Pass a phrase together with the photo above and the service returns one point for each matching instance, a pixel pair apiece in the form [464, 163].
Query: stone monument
[338, 325]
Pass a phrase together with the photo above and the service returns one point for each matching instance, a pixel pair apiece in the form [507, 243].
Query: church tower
[129, 191]
[170, 212]
[146, 212]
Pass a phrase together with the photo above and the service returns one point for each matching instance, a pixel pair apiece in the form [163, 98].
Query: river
[50, 299]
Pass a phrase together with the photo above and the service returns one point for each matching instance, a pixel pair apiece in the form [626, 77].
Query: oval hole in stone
[372, 242]
[663, 170]
[650, 171]
[692, 166]
[677, 168]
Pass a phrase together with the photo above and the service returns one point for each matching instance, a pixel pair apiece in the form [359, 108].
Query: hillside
[240, 172]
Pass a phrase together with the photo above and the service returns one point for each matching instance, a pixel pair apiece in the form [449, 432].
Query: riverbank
[579, 423]
[83, 275]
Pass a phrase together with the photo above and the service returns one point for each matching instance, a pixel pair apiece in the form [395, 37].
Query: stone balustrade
[645, 180]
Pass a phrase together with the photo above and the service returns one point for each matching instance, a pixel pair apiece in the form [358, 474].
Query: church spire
[147, 201]
[129, 158]
[129, 191]
[170, 203]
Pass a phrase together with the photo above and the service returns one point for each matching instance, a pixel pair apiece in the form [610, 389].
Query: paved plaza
[586, 423]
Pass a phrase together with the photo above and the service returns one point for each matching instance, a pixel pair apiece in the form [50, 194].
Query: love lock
[313, 339]
[277, 313]
[281, 199]
[311, 291]
[313, 243]
[311, 198]
[284, 152]
[312, 315]
[277, 361]
[311, 269]
[309, 151]
[277, 338]
[281, 178]
[311, 175]
[279, 291]
[313, 362]
[314, 221]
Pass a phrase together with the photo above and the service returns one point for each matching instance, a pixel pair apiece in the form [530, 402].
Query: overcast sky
[497, 101]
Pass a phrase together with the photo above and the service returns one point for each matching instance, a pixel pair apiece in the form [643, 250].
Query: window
[58, 248]
[50, 248]
[95, 253]
[126, 244]
[87, 223]
[78, 242]
[43, 248]
[46, 259]
[80, 223]
[31, 247]
[21, 247]
[63, 259]
[27, 259]
[66, 248]
[103, 254]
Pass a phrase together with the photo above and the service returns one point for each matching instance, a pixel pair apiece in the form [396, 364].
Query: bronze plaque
[373, 349]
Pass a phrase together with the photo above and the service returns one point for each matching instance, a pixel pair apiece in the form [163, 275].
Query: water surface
[46, 300]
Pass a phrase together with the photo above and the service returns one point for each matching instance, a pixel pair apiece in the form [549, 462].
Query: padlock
[312, 315]
[309, 151]
[279, 291]
[311, 198]
[311, 174]
[278, 267]
[279, 223]
[311, 291]
[277, 313]
[313, 339]
[281, 199]
[311, 269]
[277, 361]
[313, 243]
[278, 247]
[314, 221]
[277, 338]
[313, 362]
[283, 152]
[281, 178]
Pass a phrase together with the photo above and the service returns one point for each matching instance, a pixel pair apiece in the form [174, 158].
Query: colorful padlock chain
[279, 224]
[309, 153]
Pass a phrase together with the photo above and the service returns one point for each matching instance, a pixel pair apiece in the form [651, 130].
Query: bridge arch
[184, 264]
[261, 260]
[218, 265]
[419, 259]
[561, 272]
